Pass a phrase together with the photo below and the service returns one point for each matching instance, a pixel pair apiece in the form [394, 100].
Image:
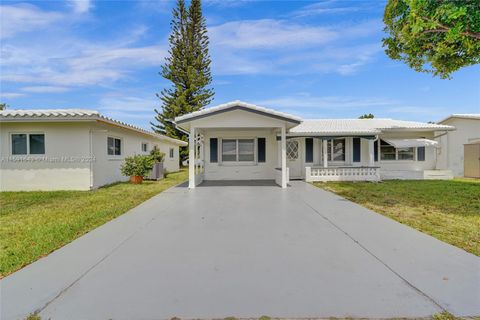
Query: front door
[294, 159]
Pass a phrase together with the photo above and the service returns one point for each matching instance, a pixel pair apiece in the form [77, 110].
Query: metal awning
[411, 143]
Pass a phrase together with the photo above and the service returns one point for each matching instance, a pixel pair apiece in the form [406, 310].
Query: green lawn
[449, 210]
[33, 224]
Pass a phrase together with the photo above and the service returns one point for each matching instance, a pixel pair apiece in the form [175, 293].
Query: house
[241, 141]
[71, 149]
[451, 152]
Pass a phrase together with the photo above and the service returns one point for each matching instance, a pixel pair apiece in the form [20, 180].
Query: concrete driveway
[245, 251]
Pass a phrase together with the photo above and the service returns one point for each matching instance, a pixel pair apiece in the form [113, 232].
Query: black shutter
[308, 150]
[375, 150]
[213, 150]
[421, 153]
[261, 152]
[356, 150]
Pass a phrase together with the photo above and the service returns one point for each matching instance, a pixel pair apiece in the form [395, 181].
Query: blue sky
[315, 59]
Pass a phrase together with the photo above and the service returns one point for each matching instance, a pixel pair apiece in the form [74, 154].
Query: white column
[284, 157]
[371, 152]
[191, 159]
[325, 153]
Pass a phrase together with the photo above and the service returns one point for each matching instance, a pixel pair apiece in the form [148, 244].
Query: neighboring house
[241, 141]
[451, 152]
[71, 149]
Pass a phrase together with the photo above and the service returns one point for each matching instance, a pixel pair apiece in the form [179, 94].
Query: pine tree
[187, 67]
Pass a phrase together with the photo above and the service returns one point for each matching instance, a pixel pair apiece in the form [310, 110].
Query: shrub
[156, 155]
[138, 165]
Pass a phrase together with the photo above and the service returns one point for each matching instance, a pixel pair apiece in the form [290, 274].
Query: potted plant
[157, 172]
[137, 167]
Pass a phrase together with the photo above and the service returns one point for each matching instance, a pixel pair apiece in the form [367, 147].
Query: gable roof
[475, 116]
[238, 105]
[12, 115]
[361, 126]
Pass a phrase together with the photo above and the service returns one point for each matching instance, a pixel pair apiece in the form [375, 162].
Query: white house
[451, 151]
[241, 141]
[71, 149]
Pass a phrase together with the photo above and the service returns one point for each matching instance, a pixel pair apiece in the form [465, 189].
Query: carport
[237, 141]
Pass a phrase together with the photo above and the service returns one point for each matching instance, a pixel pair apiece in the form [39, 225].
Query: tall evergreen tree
[187, 67]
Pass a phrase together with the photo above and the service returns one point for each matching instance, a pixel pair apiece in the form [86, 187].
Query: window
[389, 152]
[33, 143]
[246, 150]
[292, 150]
[114, 146]
[171, 153]
[309, 150]
[357, 149]
[242, 150]
[421, 153]
[144, 147]
[336, 147]
[213, 150]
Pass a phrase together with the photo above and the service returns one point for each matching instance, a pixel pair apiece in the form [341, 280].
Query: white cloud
[268, 33]
[324, 7]
[80, 6]
[281, 47]
[45, 89]
[23, 18]
[11, 95]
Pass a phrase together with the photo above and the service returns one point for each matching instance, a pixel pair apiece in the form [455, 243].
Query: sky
[314, 59]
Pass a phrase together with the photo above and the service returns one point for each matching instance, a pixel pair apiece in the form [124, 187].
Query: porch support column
[284, 157]
[371, 153]
[191, 158]
[325, 153]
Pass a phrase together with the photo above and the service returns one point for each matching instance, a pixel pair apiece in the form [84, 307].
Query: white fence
[342, 174]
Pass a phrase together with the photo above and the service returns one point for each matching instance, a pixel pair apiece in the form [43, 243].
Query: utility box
[157, 172]
[471, 162]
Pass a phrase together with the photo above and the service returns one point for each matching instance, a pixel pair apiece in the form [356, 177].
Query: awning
[411, 143]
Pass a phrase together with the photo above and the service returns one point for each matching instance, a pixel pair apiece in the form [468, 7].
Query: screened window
[114, 146]
[229, 150]
[389, 152]
[144, 147]
[242, 150]
[336, 150]
[23, 143]
[171, 153]
[246, 150]
[406, 153]
[19, 144]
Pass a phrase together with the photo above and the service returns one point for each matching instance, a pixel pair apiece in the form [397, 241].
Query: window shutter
[261, 150]
[356, 150]
[308, 150]
[375, 150]
[213, 150]
[421, 153]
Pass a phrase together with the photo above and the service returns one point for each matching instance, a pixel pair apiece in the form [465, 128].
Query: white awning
[411, 143]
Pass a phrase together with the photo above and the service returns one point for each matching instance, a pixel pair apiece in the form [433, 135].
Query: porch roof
[235, 105]
[326, 127]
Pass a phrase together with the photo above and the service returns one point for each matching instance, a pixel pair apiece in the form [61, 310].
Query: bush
[138, 165]
[156, 155]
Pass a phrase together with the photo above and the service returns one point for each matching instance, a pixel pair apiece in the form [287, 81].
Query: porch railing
[342, 174]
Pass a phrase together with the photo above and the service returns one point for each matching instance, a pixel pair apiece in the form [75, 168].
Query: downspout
[91, 157]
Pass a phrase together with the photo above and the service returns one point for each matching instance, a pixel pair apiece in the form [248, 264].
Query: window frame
[121, 147]
[330, 146]
[414, 153]
[28, 153]
[237, 161]
[146, 147]
[171, 153]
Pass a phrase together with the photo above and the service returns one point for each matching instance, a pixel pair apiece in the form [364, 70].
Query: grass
[448, 210]
[33, 224]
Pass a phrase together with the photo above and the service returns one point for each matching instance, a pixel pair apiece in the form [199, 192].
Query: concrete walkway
[246, 251]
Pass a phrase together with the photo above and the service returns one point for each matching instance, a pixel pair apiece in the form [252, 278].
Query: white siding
[228, 171]
[451, 153]
[72, 141]
[67, 140]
